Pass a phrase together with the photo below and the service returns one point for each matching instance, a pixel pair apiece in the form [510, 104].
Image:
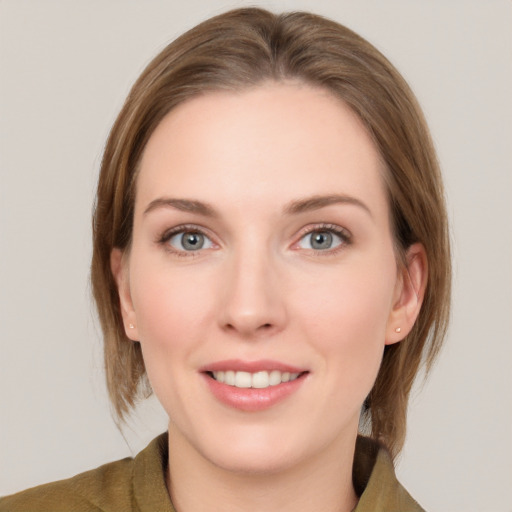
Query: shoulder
[376, 483]
[102, 489]
[131, 484]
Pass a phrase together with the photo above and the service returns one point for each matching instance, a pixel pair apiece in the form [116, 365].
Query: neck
[322, 483]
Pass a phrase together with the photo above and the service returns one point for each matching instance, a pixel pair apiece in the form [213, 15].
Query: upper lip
[239, 365]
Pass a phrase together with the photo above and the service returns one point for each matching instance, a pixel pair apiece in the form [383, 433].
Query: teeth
[274, 378]
[259, 380]
[242, 380]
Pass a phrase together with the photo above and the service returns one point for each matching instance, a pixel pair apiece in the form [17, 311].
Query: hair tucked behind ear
[241, 49]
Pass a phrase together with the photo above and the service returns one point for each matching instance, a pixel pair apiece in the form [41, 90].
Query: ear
[409, 293]
[120, 271]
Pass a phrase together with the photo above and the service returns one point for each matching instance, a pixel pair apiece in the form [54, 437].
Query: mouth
[253, 386]
[256, 380]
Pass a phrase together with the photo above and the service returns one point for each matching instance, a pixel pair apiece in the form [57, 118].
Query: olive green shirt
[138, 485]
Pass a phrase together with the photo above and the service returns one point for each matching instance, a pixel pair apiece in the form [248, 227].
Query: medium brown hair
[241, 49]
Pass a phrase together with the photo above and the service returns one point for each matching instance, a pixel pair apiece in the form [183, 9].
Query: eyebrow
[295, 207]
[317, 202]
[184, 205]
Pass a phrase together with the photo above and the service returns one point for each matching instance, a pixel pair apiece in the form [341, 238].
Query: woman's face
[262, 255]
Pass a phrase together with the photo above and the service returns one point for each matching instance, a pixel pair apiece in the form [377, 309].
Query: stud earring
[131, 326]
[398, 329]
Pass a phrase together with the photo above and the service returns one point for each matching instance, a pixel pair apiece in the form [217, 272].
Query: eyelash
[184, 228]
[344, 235]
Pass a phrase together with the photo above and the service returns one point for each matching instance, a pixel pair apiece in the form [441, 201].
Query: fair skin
[262, 242]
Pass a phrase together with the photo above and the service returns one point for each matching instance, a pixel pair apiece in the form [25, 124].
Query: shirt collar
[373, 474]
[375, 481]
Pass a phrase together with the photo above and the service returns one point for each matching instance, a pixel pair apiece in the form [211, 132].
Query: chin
[255, 462]
[267, 451]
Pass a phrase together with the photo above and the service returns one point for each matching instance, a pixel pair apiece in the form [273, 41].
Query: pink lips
[252, 399]
[250, 366]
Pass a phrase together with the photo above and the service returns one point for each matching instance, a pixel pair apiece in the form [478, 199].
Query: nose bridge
[251, 299]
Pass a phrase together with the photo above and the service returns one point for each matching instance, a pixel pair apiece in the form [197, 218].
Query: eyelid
[344, 234]
[184, 228]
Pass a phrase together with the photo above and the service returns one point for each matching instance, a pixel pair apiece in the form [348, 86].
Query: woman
[268, 211]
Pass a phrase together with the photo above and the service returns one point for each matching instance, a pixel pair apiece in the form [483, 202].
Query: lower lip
[253, 399]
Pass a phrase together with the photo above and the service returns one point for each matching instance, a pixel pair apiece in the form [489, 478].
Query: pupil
[192, 241]
[321, 240]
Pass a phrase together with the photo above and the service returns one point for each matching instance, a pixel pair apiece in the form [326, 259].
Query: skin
[259, 290]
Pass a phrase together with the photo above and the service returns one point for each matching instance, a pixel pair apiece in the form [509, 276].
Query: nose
[252, 296]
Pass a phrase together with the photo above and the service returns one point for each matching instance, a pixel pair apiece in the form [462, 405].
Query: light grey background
[65, 69]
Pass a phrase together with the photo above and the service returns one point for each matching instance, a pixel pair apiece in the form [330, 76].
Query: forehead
[271, 143]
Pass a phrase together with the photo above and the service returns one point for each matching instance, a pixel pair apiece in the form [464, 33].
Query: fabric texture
[138, 485]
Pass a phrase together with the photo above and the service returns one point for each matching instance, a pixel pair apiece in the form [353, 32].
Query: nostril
[265, 327]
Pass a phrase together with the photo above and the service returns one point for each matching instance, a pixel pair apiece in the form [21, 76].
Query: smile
[253, 386]
[257, 380]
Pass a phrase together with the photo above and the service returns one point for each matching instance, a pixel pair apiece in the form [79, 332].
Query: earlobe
[119, 268]
[409, 293]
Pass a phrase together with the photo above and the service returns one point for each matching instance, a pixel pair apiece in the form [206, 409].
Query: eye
[189, 241]
[323, 239]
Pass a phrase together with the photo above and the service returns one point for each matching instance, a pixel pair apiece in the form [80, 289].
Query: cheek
[171, 310]
[170, 307]
[346, 320]
[352, 303]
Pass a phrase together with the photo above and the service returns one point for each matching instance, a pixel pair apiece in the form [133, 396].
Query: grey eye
[320, 240]
[190, 241]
